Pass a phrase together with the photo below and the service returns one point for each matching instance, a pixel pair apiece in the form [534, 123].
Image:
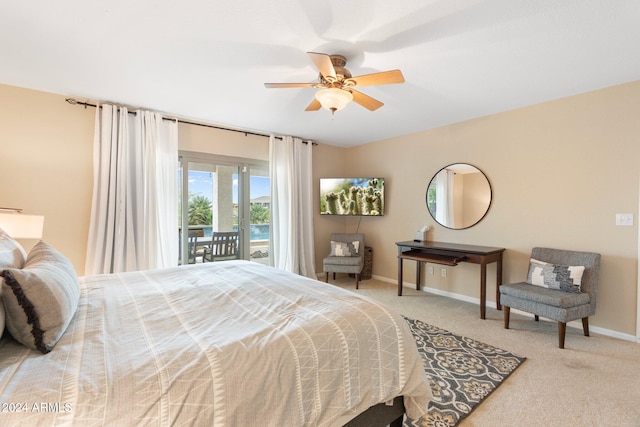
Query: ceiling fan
[337, 85]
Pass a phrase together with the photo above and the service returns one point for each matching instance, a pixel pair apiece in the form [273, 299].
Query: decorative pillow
[561, 277]
[1, 314]
[41, 298]
[12, 254]
[344, 249]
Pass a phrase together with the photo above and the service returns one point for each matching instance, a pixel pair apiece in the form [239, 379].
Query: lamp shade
[21, 226]
[334, 99]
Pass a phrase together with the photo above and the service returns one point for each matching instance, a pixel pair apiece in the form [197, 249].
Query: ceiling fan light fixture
[334, 99]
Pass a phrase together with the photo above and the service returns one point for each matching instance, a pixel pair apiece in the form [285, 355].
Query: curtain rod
[246, 133]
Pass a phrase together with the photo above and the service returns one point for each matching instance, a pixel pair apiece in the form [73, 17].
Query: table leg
[399, 276]
[418, 274]
[483, 289]
[498, 281]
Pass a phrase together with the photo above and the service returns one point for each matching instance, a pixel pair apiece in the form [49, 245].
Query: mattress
[231, 343]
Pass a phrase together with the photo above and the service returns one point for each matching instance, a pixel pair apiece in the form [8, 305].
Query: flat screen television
[352, 196]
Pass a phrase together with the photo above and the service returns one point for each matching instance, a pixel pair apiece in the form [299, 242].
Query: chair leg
[326, 278]
[357, 280]
[585, 326]
[507, 311]
[536, 317]
[562, 329]
[334, 275]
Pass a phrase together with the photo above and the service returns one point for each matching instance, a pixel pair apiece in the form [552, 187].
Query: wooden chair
[193, 244]
[554, 304]
[224, 246]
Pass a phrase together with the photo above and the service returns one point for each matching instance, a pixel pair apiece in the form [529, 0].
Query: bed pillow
[12, 254]
[344, 248]
[1, 314]
[41, 298]
[561, 277]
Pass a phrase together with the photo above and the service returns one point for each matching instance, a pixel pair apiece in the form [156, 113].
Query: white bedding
[217, 344]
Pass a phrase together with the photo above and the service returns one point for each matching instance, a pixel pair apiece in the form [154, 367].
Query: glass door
[259, 214]
[215, 198]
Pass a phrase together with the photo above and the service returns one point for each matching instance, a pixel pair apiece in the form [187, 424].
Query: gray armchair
[556, 304]
[343, 258]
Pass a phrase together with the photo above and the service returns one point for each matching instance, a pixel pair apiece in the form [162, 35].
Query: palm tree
[258, 214]
[200, 212]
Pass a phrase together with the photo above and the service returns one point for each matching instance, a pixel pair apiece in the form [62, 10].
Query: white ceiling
[207, 60]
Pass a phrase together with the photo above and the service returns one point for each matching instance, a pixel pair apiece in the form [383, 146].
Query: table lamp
[20, 226]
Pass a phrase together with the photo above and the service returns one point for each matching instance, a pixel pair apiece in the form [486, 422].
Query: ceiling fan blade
[281, 85]
[383, 78]
[322, 61]
[314, 106]
[366, 101]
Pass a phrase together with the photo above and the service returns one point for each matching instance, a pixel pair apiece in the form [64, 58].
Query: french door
[224, 207]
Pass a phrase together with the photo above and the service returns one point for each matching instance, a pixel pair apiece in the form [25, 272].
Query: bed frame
[381, 415]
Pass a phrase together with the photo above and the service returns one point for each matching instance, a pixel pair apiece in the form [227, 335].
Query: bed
[233, 343]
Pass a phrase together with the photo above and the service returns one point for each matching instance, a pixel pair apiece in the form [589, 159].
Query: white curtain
[444, 197]
[134, 218]
[291, 173]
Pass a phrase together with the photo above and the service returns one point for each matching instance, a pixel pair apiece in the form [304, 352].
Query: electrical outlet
[624, 219]
[430, 269]
[443, 272]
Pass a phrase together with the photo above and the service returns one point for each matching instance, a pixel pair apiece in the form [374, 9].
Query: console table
[451, 254]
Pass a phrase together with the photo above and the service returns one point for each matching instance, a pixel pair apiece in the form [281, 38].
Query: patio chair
[193, 244]
[224, 246]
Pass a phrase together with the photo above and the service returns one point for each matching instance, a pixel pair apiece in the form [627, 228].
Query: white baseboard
[492, 304]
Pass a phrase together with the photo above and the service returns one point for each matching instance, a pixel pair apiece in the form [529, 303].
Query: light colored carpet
[594, 381]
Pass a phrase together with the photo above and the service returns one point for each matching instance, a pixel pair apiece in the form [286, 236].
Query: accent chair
[346, 255]
[561, 285]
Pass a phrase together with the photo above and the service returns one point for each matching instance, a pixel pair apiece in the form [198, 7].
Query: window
[222, 194]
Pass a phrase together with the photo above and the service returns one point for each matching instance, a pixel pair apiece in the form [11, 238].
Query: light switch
[624, 219]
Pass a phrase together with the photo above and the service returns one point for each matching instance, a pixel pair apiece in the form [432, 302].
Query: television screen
[352, 196]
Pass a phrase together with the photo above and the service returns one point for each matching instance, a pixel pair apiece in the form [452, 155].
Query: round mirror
[459, 196]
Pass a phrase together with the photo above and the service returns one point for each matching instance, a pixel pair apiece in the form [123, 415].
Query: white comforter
[217, 344]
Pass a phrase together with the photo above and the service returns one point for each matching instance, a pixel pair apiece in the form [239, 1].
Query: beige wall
[46, 151]
[559, 171]
[328, 162]
[203, 139]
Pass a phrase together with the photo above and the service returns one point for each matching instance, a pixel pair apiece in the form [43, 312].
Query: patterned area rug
[463, 372]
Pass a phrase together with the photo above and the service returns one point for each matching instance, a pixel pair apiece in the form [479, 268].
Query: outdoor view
[213, 207]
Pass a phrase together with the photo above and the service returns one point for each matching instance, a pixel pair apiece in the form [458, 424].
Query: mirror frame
[486, 210]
